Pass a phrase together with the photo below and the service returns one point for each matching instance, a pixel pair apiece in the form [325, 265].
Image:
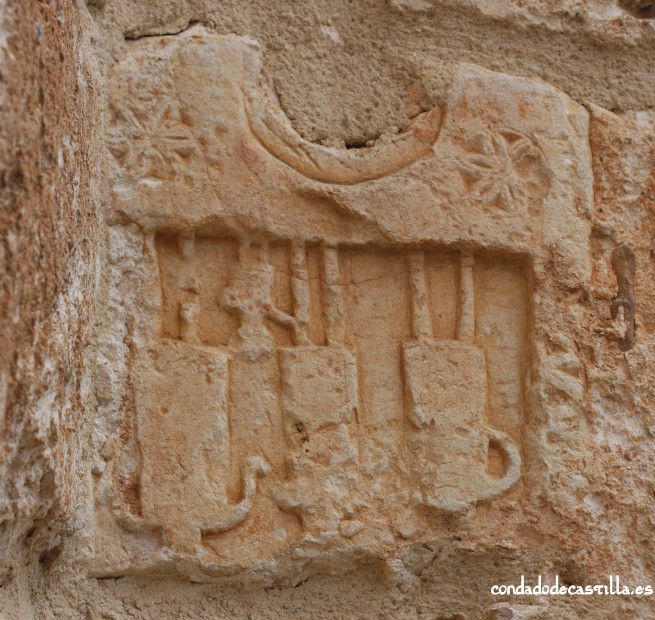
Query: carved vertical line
[332, 297]
[260, 253]
[185, 244]
[189, 311]
[466, 324]
[188, 308]
[300, 292]
[153, 256]
[421, 321]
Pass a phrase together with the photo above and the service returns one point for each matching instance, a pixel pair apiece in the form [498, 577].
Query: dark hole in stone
[356, 144]
[641, 9]
[48, 558]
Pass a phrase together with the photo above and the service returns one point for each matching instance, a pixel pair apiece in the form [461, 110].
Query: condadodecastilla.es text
[613, 587]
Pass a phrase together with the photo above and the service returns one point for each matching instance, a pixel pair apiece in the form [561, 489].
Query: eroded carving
[341, 340]
[244, 387]
[184, 439]
[502, 167]
[151, 139]
[319, 401]
[447, 392]
[330, 165]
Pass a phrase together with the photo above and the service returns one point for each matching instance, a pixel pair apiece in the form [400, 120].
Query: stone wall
[362, 323]
[48, 250]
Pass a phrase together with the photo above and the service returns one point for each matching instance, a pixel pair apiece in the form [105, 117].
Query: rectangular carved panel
[311, 396]
[325, 352]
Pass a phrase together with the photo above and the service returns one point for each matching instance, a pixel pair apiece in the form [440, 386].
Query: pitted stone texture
[49, 119]
[343, 292]
[239, 250]
[348, 74]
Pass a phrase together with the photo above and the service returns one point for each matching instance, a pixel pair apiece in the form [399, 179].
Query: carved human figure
[249, 296]
[254, 383]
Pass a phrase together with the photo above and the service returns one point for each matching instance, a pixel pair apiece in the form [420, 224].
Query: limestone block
[351, 343]
[351, 297]
[183, 435]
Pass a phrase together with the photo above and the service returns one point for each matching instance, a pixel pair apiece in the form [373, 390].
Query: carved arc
[513, 456]
[273, 130]
[232, 515]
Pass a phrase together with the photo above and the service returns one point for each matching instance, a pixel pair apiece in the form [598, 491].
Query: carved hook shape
[623, 264]
[513, 456]
[232, 515]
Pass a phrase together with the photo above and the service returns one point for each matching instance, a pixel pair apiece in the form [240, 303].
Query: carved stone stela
[332, 350]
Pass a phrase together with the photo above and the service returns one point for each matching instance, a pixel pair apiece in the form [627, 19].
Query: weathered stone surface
[48, 250]
[337, 297]
[373, 308]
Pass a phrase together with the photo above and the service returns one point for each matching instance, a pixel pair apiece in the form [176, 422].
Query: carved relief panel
[330, 351]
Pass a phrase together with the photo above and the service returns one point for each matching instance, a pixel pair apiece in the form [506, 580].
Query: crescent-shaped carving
[274, 131]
